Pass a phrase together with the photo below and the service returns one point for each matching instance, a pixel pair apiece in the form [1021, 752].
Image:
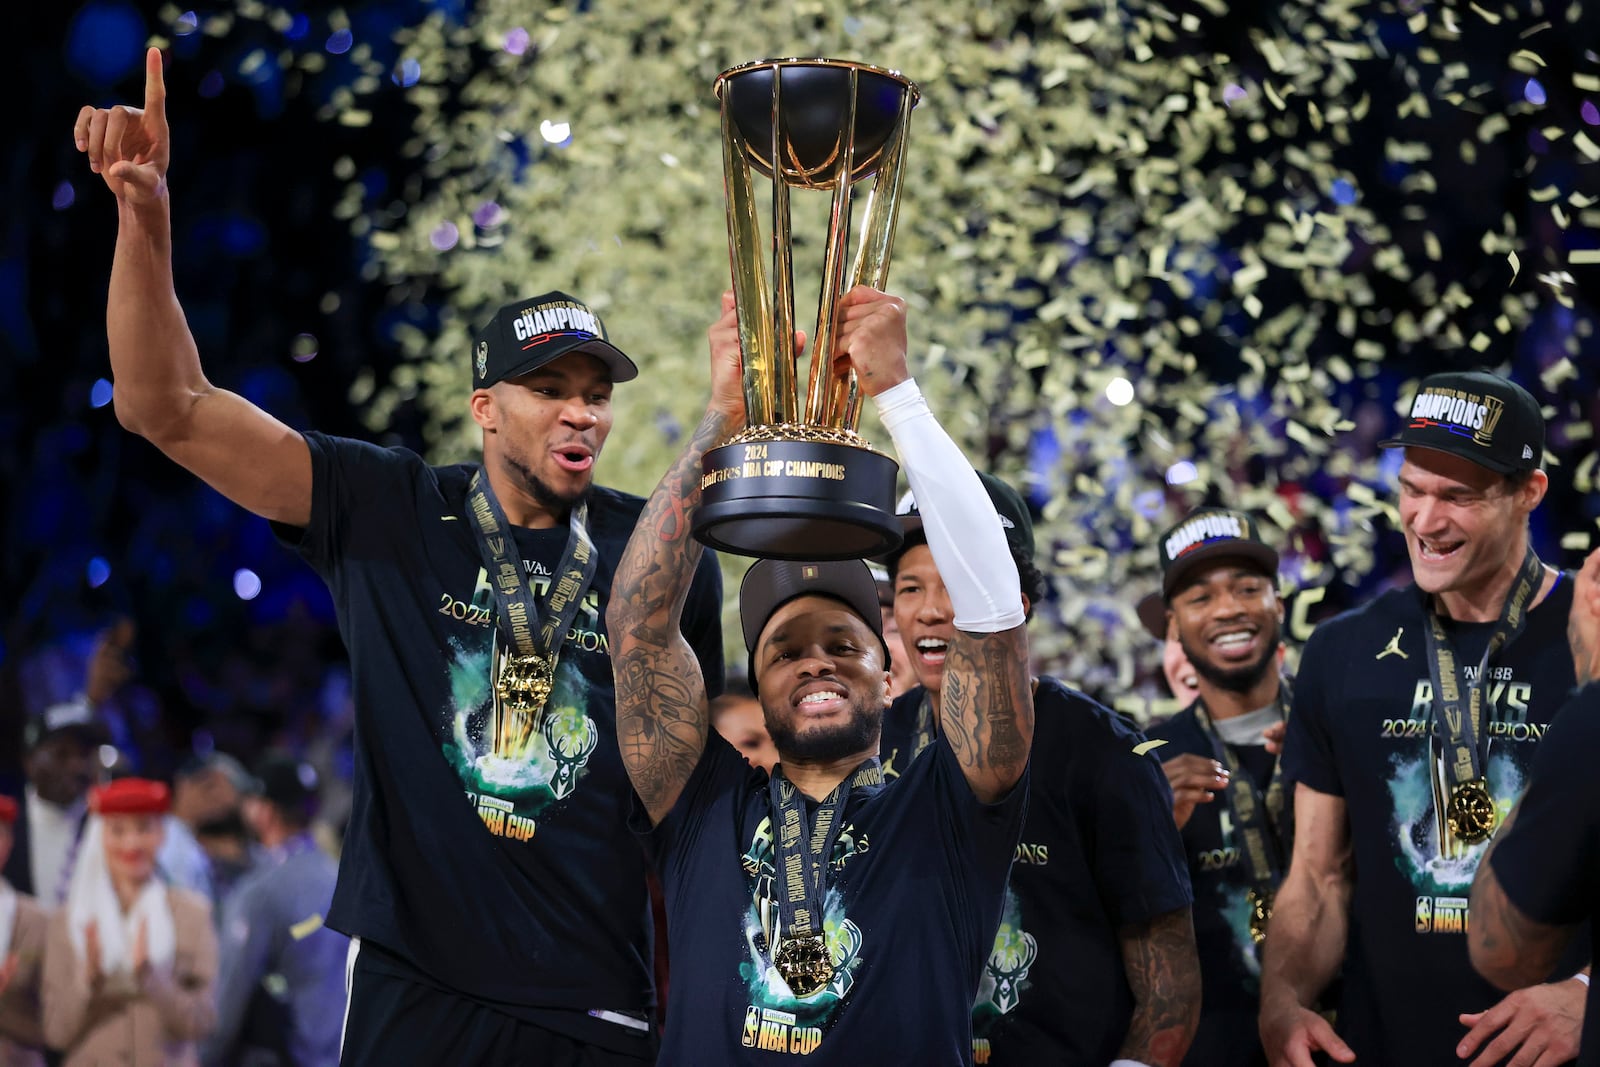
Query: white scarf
[91, 896]
[8, 917]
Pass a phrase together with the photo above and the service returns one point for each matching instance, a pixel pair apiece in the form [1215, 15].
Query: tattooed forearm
[663, 733]
[662, 714]
[1508, 948]
[656, 570]
[1164, 976]
[986, 703]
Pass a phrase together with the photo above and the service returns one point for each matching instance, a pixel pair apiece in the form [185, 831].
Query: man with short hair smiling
[819, 911]
[1219, 582]
[1415, 721]
[1094, 958]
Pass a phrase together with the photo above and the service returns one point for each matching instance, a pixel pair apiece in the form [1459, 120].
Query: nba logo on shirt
[1424, 914]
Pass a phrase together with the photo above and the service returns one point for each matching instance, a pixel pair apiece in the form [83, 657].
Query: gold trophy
[798, 482]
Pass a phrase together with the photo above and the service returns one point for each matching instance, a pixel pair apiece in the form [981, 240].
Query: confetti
[1107, 196]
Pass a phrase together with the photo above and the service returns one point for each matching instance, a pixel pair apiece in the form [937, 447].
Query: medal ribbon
[924, 733]
[524, 627]
[1260, 818]
[1461, 721]
[804, 852]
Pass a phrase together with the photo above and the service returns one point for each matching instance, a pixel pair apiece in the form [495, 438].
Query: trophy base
[798, 500]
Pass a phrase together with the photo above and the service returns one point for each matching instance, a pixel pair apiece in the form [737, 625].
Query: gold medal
[525, 682]
[1471, 814]
[804, 964]
[1260, 912]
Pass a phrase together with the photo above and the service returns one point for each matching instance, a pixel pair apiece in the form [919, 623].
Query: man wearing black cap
[498, 900]
[1093, 961]
[1219, 585]
[62, 762]
[821, 912]
[280, 973]
[1415, 721]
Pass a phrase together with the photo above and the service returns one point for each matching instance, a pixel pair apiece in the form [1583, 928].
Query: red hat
[131, 796]
[8, 811]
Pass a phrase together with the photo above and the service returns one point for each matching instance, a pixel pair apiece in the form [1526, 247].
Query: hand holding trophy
[799, 482]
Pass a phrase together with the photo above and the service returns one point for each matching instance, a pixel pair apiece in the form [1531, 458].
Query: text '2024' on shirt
[508, 876]
[1362, 728]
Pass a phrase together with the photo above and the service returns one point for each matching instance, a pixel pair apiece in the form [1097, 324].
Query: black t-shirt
[1548, 861]
[510, 878]
[918, 876]
[1099, 851]
[1362, 728]
[1230, 965]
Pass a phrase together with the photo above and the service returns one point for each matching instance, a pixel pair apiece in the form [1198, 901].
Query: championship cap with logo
[1482, 417]
[1208, 534]
[771, 583]
[526, 334]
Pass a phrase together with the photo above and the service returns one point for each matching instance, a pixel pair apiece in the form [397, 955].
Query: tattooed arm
[1163, 969]
[662, 712]
[986, 697]
[986, 708]
[1508, 948]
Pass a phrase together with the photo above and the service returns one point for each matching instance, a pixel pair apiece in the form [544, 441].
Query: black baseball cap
[74, 718]
[287, 783]
[1208, 534]
[1008, 504]
[526, 334]
[1479, 416]
[771, 583]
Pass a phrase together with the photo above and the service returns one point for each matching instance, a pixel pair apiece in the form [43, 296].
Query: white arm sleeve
[963, 530]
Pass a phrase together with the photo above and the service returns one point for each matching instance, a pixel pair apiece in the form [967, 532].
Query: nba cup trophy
[798, 482]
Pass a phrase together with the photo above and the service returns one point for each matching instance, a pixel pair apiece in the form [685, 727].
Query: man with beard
[819, 911]
[1415, 721]
[498, 900]
[1093, 960]
[1219, 584]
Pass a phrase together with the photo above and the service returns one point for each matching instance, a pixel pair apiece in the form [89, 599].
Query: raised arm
[1306, 937]
[986, 698]
[160, 391]
[662, 712]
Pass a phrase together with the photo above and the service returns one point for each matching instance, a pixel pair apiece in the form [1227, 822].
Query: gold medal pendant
[1260, 912]
[525, 682]
[521, 689]
[1471, 813]
[804, 964]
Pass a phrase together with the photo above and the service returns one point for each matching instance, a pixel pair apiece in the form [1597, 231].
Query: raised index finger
[155, 83]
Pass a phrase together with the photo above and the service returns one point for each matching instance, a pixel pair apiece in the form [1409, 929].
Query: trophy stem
[762, 370]
[822, 401]
[788, 395]
[871, 265]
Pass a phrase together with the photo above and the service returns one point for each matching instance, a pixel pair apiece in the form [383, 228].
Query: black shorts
[394, 1021]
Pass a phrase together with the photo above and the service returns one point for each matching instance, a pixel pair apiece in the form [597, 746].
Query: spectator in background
[738, 717]
[281, 996]
[228, 849]
[62, 761]
[22, 934]
[130, 963]
[206, 790]
[1183, 682]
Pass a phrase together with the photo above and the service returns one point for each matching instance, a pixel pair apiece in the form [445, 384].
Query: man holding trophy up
[819, 911]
